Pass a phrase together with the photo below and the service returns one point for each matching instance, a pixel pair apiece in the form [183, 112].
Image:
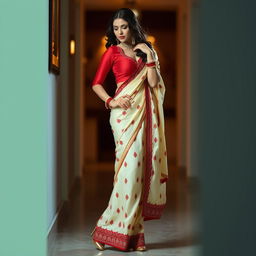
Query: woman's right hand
[122, 102]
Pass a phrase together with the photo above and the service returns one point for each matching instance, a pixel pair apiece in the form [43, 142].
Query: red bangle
[107, 102]
[151, 64]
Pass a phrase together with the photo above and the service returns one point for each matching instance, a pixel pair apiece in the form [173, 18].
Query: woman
[137, 122]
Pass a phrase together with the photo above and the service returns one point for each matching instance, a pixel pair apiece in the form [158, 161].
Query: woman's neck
[127, 45]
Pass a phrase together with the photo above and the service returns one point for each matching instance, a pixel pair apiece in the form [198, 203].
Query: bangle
[151, 64]
[107, 102]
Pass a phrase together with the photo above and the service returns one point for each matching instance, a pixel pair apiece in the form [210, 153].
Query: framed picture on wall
[54, 36]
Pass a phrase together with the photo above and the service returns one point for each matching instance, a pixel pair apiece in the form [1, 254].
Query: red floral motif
[118, 120]
[111, 222]
[137, 179]
[117, 159]
[126, 215]
[121, 142]
[119, 224]
[155, 139]
[153, 172]
[125, 180]
[160, 160]
[139, 163]
[138, 106]
[155, 125]
[126, 197]
[135, 154]
[125, 164]
[132, 122]
[117, 195]
[101, 217]
[124, 113]
[154, 157]
[129, 226]
[122, 208]
[118, 210]
[165, 153]
[132, 227]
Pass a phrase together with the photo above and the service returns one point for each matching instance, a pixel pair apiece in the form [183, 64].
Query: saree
[141, 172]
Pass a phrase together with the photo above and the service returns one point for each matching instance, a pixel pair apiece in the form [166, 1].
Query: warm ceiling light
[103, 40]
[151, 39]
[72, 47]
[136, 12]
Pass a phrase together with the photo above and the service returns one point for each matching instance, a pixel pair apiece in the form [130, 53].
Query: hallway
[176, 233]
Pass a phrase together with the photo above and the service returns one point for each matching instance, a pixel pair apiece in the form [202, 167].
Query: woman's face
[121, 30]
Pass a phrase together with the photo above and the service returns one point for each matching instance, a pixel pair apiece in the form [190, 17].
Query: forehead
[119, 22]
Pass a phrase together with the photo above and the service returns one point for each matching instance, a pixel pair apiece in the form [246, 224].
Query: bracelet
[107, 102]
[151, 64]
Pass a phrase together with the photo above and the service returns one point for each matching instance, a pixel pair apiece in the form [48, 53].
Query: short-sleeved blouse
[114, 58]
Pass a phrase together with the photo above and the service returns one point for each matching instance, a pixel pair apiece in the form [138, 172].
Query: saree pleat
[139, 184]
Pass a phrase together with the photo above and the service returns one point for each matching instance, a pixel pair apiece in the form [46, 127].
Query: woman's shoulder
[112, 48]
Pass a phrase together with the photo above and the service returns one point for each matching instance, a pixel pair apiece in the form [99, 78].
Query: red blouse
[114, 58]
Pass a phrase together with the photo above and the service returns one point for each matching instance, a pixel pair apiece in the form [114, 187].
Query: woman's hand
[144, 48]
[122, 102]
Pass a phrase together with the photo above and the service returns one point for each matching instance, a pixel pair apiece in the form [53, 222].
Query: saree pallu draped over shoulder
[141, 172]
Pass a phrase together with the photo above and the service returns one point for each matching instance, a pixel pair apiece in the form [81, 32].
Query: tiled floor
[176, 233]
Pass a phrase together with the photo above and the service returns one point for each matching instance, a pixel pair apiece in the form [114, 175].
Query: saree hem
[120, 241]
[152, 211]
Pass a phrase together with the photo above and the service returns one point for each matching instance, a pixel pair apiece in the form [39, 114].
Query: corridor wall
[23, 127]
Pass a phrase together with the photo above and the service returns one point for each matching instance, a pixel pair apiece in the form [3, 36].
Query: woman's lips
[122, 37]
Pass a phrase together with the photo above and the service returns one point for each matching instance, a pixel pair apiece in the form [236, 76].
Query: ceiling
[140, 4]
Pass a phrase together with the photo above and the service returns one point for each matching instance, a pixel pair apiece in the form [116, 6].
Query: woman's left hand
[143, 47]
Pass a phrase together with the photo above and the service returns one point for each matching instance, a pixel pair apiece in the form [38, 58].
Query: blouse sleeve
[103, 68]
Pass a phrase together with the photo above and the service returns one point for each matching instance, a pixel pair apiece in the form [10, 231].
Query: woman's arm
[152, 74]
[103, 68]
[100, 91]
[123, 102]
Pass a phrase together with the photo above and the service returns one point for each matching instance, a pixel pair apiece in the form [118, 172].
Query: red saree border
[118, 240]
[124, 84]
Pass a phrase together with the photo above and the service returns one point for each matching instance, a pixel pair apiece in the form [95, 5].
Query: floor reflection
[176, 233]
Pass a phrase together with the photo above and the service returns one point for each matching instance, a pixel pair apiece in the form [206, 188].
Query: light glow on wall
[72, 47]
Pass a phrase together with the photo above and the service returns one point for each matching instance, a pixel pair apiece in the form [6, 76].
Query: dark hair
[135, 27]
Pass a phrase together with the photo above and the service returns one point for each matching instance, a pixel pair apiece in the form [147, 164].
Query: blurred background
[57, 148]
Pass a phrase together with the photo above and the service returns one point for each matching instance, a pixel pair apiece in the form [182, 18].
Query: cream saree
[139, 185]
